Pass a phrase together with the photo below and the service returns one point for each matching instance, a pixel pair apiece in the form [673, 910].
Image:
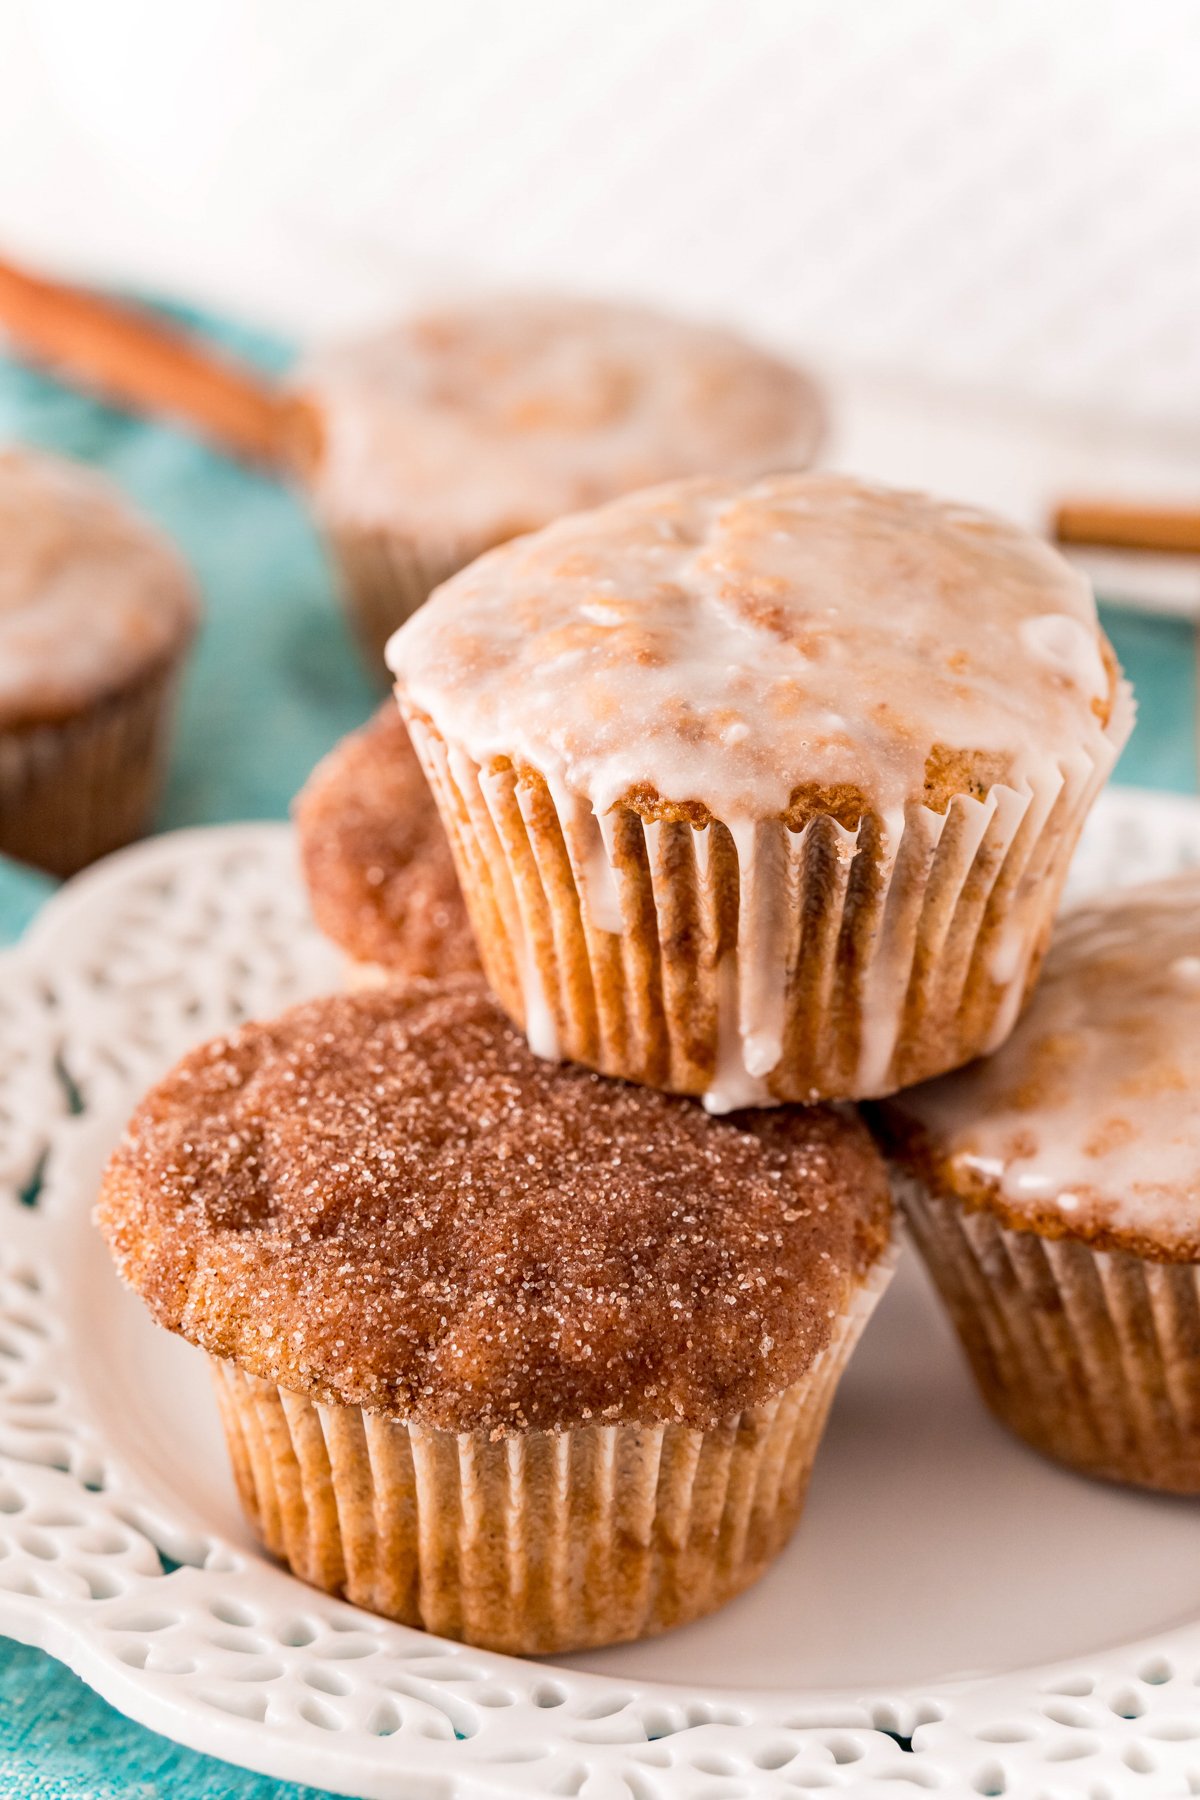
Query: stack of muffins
[529, 1266]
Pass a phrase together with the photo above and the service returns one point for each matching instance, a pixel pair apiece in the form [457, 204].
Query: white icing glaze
[486, 419]
[1067, 645]
[806, 629]
[89, 595]
[733, 1085]
[1093, 1104]
[1185, 972]
[540, 1027]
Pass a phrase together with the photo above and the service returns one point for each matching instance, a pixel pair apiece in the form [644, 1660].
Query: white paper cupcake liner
[757, 965]
[1091, 1356]
[544, 1541]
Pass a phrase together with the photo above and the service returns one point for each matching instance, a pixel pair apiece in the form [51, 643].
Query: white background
[981, 219]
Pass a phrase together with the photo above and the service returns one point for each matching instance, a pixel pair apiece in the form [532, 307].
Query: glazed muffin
[1054, 1191]
[96, 615]
[376, 863]
[503, 1350]
[467, 425]
[764, 793]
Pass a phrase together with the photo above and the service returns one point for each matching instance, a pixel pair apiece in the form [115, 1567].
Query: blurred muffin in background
[471, 424]
[378, 869]
[97, 613]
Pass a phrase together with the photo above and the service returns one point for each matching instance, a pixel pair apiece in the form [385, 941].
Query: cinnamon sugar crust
[378, 869]
[384, 1199]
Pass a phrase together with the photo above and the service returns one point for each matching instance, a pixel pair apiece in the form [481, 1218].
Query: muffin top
[1087, 1122]
[490, 418]
[753, 650]
[384, 1199]
[90, 596]
[379, 872]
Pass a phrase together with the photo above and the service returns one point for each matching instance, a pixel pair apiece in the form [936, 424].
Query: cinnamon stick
[1107, 525]
[134, 360]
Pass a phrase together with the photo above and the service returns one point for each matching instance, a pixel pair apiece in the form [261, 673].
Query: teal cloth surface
[273, 684]
[59, 1741]
[1160, 657]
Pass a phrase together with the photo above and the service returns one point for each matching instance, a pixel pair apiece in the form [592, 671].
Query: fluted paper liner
[77, 789]
[384, 576]
[760, 964]
[1093, 1357]
[543, 1541]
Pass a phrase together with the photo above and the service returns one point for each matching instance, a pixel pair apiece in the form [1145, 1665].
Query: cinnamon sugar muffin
[1054, 1190]
[96, 616]
[466, 425]
[764, 793]
[504, 1350]
[378, 869]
